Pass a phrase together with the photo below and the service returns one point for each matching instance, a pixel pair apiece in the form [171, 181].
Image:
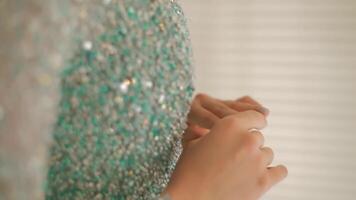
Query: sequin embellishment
[125, 96]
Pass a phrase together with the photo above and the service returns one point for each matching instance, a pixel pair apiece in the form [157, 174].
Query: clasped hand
[224, 157]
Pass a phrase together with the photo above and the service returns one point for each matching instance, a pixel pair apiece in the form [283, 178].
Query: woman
[124, 100]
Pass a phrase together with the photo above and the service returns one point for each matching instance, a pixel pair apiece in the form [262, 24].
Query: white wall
[298, 57]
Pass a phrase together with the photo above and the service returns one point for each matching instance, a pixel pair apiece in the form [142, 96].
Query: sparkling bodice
[102, 87]
[125, 93]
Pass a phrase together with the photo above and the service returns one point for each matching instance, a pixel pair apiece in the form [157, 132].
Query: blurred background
[298, 57]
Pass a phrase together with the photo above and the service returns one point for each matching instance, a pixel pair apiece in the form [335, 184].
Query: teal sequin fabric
[124, 99]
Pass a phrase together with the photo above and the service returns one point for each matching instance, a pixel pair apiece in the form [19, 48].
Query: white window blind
[298, 57]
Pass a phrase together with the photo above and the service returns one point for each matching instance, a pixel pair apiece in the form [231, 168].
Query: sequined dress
[125, 90]
[125, 95]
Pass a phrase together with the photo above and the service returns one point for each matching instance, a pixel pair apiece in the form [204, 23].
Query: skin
[224, 157]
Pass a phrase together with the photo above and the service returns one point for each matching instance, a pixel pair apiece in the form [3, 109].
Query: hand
[228, 163]
[206, 111]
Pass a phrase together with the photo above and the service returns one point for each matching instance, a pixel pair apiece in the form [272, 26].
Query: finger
[251, 119]
[249, 100]
[201, 117]
[267, 155]
[217, 107]
[277, 174]
[193, 132]
[240, 106]
[242, 122]
[258, 137]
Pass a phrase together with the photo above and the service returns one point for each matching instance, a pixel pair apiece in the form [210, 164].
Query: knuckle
[208, 119]
[248, 97]
[270, 152]
[250, 143]
[253, 113]
[223, 111]
[245, 97]
[252, 139]
[201, 96]
[268, 156]
[230, 121]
